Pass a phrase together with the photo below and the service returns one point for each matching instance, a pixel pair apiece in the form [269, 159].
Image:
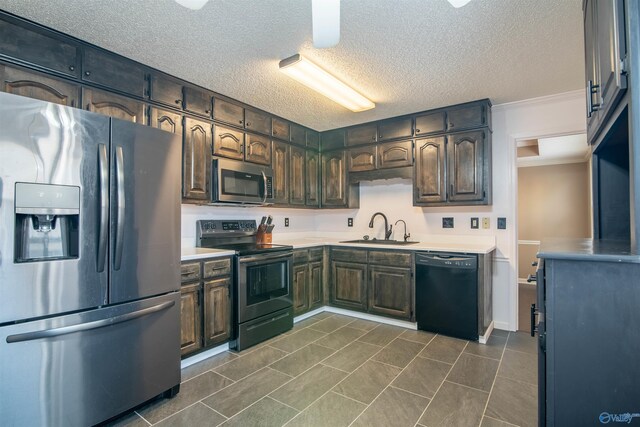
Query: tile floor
[335, 370]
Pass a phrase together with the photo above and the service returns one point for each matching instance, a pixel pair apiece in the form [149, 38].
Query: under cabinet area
[205, 312]
[308, 284]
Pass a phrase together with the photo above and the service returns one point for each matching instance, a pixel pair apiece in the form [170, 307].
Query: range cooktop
[235, 235]
[253, 248]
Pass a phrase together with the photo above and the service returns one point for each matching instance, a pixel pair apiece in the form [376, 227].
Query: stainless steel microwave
[242, 183]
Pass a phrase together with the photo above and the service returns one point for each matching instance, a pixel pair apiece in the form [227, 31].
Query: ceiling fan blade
[192, 4]
[458, 3]
[325, 15]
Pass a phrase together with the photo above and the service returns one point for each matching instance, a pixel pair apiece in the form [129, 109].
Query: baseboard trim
[308, 314]
[204, 355]
[482, 339]
[373, 317]
[504, 326]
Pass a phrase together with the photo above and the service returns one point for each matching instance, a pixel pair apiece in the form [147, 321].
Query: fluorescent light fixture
[192, 4]
[314, 77]
[458, 3]
[325, 15]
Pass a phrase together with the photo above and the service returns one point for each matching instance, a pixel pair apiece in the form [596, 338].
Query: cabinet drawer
[466, 118]
[431, 123]
[300, 256]
[392, 258]
[350, 255]
[362, 159]
[316, 254]
[392, 129]
[190, 272]
[362, 135]
[217, 268]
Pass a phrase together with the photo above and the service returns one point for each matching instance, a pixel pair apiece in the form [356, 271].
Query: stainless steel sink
[380, 242]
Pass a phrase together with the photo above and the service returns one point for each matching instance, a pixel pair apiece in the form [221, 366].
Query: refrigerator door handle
[56, 332]
[104, 206]
[121, 203]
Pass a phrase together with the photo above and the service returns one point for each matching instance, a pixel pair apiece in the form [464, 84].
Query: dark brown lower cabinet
[300, 288]
[190, 321]
[349, 285]
[390, 291]
[307, 279]
[216, 310]
[316, 269]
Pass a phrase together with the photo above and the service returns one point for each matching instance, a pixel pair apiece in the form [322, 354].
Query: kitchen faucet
[387, 231]
[406, 235]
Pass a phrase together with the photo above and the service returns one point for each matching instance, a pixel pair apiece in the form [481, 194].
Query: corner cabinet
[308, 284]
[334, 179]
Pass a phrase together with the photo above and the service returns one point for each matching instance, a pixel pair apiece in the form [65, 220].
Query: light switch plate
[475, 223]
[286, 222]
[502, 223]
[485, 223]
[447, 222]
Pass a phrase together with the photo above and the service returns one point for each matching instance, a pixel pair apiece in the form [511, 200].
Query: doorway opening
[554, 201]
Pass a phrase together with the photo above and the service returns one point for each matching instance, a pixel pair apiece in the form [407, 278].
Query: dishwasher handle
[449, 260]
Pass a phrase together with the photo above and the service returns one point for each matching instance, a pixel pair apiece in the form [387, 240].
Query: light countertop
[188, 254]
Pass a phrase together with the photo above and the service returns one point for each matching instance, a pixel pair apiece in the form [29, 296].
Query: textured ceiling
[406, 56]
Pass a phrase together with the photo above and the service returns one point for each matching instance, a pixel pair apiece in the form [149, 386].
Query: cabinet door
[190, 320]
[257, 121]
[228, 112]
[313, 176]
[348, 285]
[113, 105]
[591, 66]
[297, 176]
[390, 291]
[300, 288]
[228, 142]
[465, 164]
[473, 116]
[332, 139]
[168, 121]
[315, 284]
[197, 101]
[298, 135]
[217, 311]
[39, 47]
[280, 129]
[395, 154]
[280, 165]
[313, 139]
[196, 157]
[393, 129]
[431, 123]
[429, 174]
[258, 149]
[114, 72]
[362, 159]
[334, 180]
[38, 86]
[365, 134]
[166, 90]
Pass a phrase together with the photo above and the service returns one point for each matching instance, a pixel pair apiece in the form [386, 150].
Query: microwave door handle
[264, 182]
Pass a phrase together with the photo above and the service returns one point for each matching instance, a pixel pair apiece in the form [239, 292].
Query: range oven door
[264, 284]
[239, 182]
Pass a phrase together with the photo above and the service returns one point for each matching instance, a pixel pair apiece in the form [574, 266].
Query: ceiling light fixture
[325, 16]
[192, 4]
[314, 77]
[458, 3]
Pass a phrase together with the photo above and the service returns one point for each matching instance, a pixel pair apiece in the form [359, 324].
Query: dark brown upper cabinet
[168, 121]
[429, 180]
[280, 129]
[466, 166]
[166, 90]
[334, 180]
[228, 142]
[431, 123]
[313, 139]
[298, 135]
[332, 139]
[228, 112]
[196, 160]
[257, 121]
[365, 134]
[38, 86]
[313, 179]
[362, 159]
[280, 165]
[39, 48]
[114, 72]
[395, 154]
[257, 149]
[467, 117]
[197, 101]
[113, 105]
[394, 129]
[297, 176]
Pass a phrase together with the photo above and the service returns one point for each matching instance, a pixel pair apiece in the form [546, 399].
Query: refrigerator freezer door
[145, 211]
[56, 148]
[81, 369]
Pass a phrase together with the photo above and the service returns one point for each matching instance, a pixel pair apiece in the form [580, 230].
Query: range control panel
[214, 226]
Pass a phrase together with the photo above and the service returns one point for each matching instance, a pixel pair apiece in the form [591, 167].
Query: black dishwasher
[447, 294]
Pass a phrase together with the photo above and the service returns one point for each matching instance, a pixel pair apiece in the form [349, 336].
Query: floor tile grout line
[518, 381]
[338, 369]
[518, 351]
[440, 386]
[467, 386]
[220, 413]
[225, 377]
[348, 397]
[253, 404]
[408, 391]
[177, 412]
[502, 421]
[251, 373]
[288, 406]
[486, 405]
[143, 418]
[479, 355]
[436, 360]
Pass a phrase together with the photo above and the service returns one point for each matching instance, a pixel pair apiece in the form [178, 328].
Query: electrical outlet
[447, 222]
[349, 222]
[502, 223]
[286, 222]
[485, 223]
[474, 223]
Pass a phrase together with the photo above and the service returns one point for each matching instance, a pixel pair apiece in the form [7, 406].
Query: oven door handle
[261, 258]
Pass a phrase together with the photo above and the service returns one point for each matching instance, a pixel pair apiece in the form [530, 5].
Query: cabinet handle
[275, 132]
[178, 101]
[531, 278]
[451, 189]
[591, 90]
[240, 121]
[380, 136]
[373, 138]
[72, 68]
[417, 130]
[87, 73]
[533, 320]
[248, 124]
[207, 111]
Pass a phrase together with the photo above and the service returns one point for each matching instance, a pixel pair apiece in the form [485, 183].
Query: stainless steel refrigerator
[89, 264]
